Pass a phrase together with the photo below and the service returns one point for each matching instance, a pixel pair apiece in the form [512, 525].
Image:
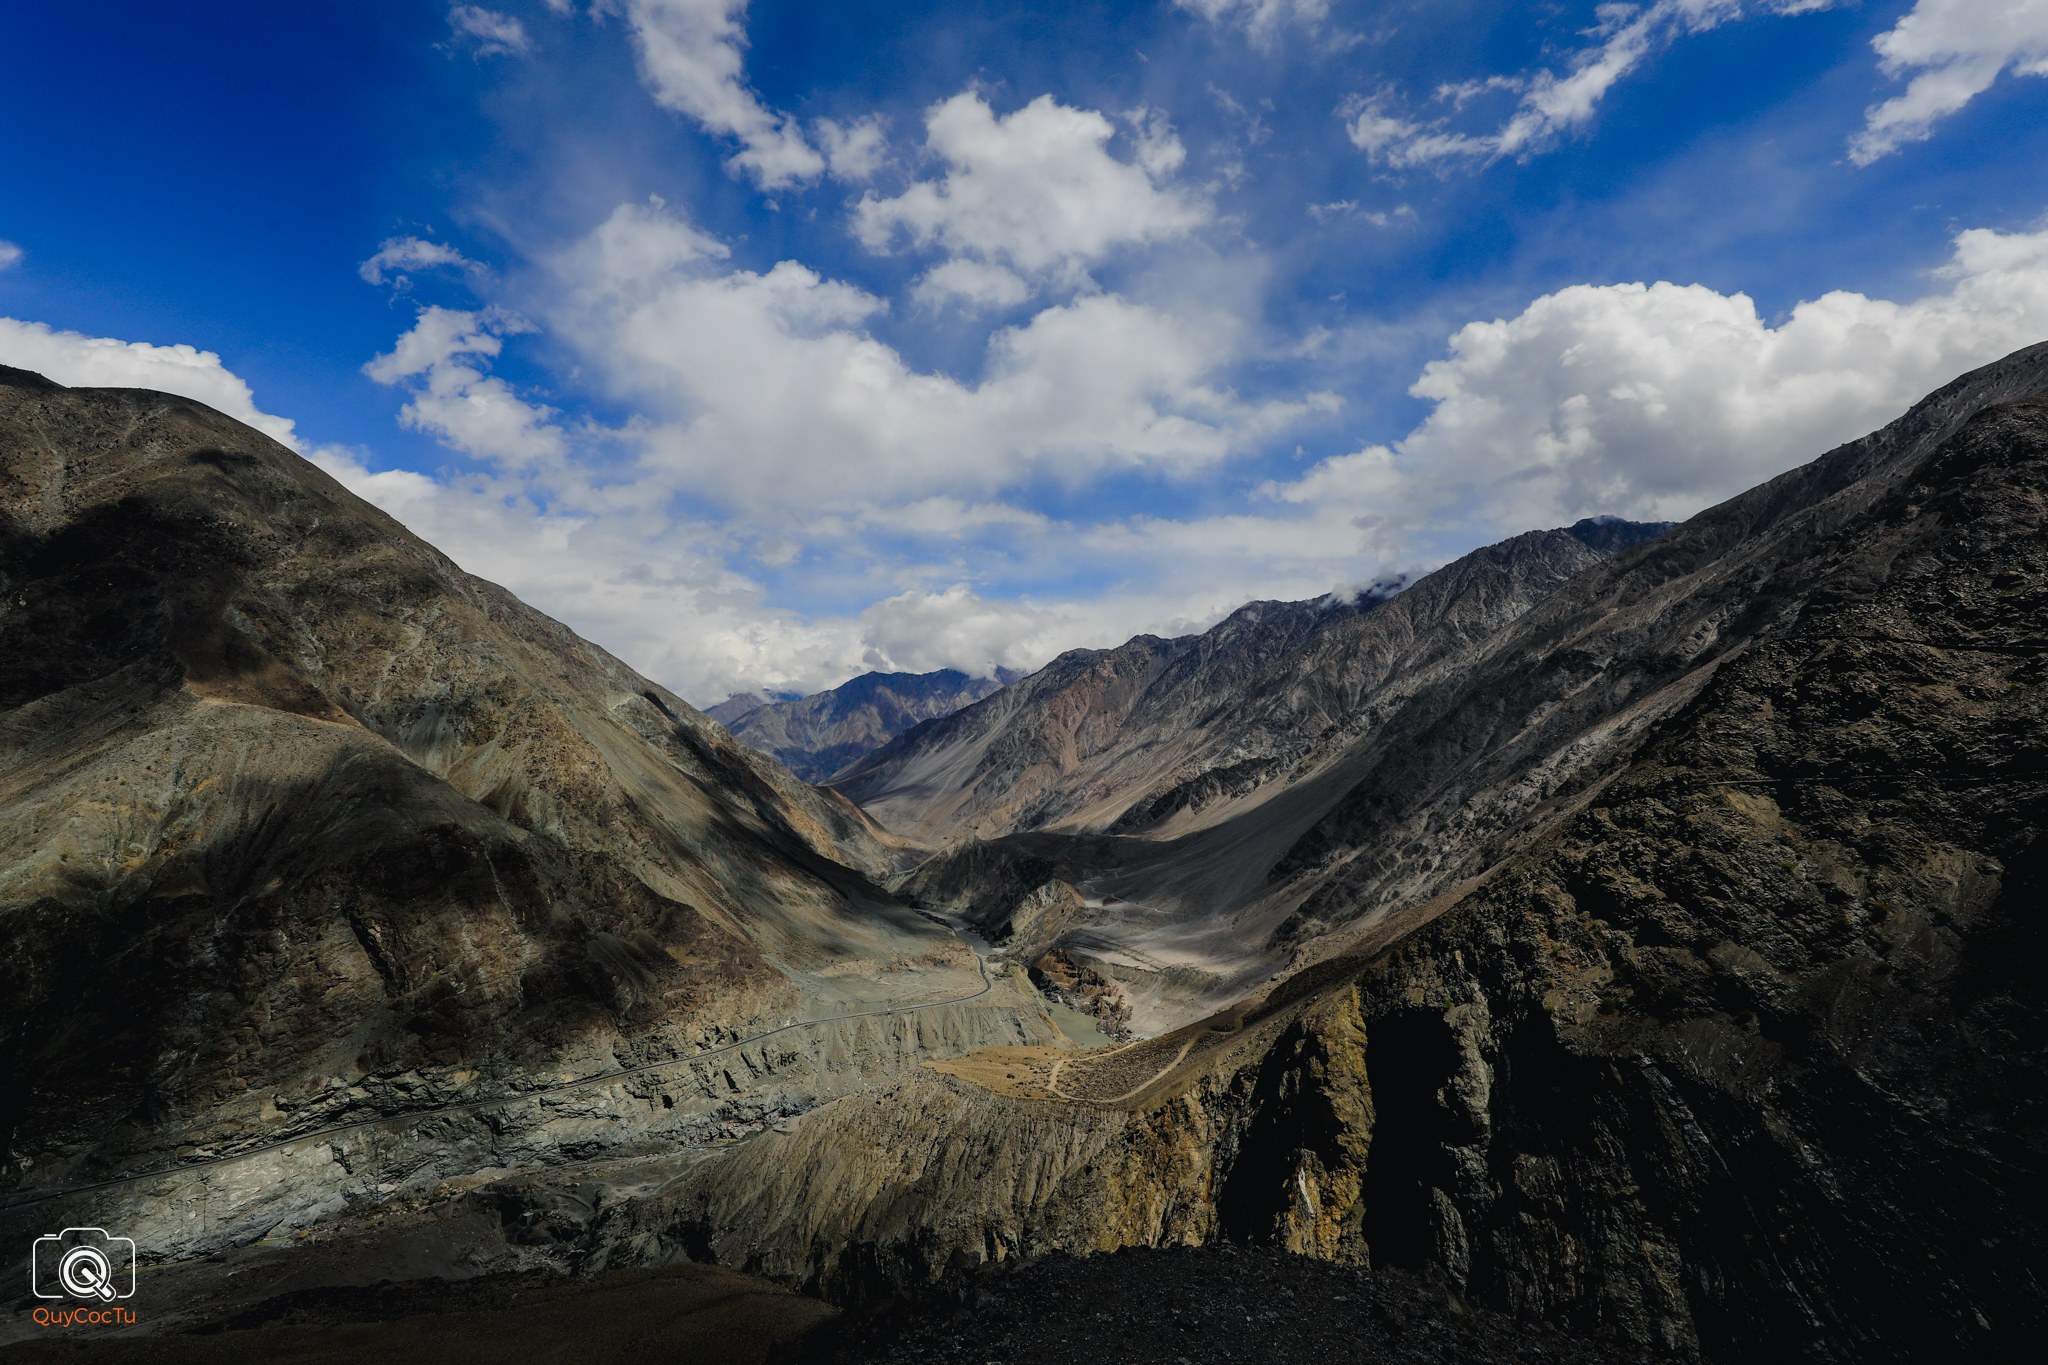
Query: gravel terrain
[1193, 1305]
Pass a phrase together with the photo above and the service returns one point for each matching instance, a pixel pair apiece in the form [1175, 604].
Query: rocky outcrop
[1060, 976]
[816, 736]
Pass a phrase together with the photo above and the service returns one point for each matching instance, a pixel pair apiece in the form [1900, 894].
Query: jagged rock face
[1739, 1057]
[302, 823]
[1487, 758]
[816, 736]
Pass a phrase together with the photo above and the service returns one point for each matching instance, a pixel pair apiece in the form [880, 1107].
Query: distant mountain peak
[816, 736]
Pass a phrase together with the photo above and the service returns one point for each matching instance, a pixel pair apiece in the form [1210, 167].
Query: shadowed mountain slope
[299, 823]
[815, 736]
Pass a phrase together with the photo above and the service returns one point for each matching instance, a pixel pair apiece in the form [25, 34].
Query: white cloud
[1035, 190]
[1262, 19]
[949, 517]
[856, 150]
[1654, 401]
[80, 361]
[918, 632]
[10, 254]
[1550, 104]
[1348, 208]
[1954, 49]
[691, 62]
[490, 33]
[444, 355]
[971, 283]
[410, 253]
[761, 390]
[636, 244]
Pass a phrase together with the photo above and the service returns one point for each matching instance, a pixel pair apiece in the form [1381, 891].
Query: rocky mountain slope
[815, 736]
[301, 825]
[1148, 788]
[1435, 773]
[1660, 966]
[1150, 735]
[1734, 1050]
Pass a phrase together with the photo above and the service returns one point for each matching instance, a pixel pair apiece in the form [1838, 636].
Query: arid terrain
[1620, 944]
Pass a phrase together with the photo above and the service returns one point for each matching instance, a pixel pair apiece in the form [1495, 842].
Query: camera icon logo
[82, 1263]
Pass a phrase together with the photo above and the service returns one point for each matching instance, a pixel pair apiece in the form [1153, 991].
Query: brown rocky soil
[629, 1317]
[1203, 1306]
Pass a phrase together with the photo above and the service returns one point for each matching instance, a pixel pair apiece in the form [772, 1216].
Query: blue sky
[767, 343]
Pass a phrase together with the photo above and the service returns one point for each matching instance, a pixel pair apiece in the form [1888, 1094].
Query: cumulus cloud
[691, 61]
[1549, 104]
[10, 254]
[79, 361]
[1653, 401]
[854, 151]
[399, 254]
[760, 388]
[1954, 50]
[972, 284]
[919, 631]
[1035, 191]
[441, 360]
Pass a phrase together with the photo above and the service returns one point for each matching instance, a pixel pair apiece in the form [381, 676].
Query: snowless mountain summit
[816, 736]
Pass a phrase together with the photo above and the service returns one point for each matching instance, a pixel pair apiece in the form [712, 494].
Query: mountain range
[815, 736]
[1628, 929]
